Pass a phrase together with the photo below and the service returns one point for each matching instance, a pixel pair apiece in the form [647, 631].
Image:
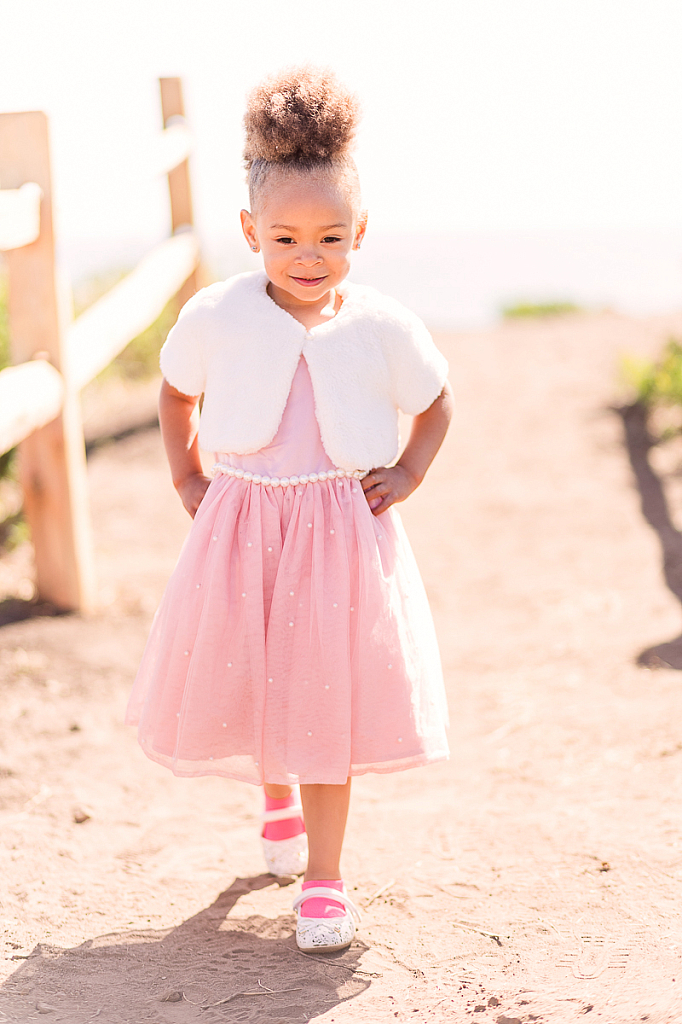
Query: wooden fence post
[182, 215]
[52, 459]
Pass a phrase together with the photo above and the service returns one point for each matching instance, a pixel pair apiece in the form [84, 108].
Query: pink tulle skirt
[294, 642]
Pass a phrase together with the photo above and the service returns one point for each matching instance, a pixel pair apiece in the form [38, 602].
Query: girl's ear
[360, 229]
[249, 229]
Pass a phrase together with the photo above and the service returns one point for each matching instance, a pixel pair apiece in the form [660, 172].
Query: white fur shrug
[240, 349]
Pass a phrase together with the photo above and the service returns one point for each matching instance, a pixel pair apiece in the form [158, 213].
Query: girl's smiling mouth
[309, 282]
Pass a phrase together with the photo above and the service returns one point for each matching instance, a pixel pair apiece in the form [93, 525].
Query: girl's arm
[383, 487]
[179, 419]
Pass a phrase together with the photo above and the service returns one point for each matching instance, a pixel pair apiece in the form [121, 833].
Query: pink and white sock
[323, 906]
[286, 828]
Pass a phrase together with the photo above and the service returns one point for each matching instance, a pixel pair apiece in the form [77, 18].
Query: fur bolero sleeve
[239, 349]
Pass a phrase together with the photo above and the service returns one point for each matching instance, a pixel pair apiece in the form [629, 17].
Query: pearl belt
[289, 481]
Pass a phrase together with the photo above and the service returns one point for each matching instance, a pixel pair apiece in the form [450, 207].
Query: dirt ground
[534, 877]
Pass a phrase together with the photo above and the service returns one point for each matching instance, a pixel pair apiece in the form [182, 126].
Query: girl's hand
[192, 490]
[383, 487]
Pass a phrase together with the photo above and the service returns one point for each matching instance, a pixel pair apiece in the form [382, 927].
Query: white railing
[106, 327]
[19, 215]
[31, 395]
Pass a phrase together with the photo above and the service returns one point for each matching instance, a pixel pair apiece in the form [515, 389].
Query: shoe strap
[282, 814]
[327, 893]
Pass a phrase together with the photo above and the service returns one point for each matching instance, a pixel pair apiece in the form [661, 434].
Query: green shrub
[520, 310]
[656, 382]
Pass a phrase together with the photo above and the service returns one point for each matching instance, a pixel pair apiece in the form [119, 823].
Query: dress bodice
[297, 446]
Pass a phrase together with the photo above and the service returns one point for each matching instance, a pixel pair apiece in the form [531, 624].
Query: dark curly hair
[301, 119]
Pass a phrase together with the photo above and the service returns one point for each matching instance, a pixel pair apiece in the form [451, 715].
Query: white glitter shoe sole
[325, 934]
[286, 856]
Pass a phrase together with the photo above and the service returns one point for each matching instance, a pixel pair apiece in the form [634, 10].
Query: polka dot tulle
[305, 663]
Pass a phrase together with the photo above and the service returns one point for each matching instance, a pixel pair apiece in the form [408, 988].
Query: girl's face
[305, 230]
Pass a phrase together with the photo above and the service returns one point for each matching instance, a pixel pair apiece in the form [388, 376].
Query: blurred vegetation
[537, 310]
[656, 384]
[13, 528]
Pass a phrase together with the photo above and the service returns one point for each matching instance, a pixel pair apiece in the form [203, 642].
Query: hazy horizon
[463, 279]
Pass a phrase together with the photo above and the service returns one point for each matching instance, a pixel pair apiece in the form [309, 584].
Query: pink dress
[294, 642]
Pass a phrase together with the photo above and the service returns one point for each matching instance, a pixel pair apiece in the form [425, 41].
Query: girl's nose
[308, 258]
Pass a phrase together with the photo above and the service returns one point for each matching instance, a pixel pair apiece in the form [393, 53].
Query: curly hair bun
[300, 115]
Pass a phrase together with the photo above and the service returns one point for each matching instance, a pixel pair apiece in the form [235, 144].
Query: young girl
[294, 643]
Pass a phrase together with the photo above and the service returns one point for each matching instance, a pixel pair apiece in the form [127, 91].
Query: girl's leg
[277, 792]
[277, 798]
[325, 809]
[324, 923]
[285, 844]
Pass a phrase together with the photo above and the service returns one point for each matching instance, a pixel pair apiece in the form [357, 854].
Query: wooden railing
[54, 358]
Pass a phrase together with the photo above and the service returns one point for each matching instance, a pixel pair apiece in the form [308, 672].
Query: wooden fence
[54, 356]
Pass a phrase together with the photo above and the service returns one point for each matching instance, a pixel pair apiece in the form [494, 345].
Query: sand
[533, 877]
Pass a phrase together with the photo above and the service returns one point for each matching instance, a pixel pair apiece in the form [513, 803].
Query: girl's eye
[331, 238]
[286, 241]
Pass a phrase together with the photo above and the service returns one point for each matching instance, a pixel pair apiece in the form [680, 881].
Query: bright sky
[479, 114]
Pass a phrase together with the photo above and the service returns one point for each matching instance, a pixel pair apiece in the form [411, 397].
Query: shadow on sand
[656, 512]
[15, 609]
[208, 968]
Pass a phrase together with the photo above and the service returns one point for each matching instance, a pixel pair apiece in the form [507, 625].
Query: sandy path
[535, 876]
